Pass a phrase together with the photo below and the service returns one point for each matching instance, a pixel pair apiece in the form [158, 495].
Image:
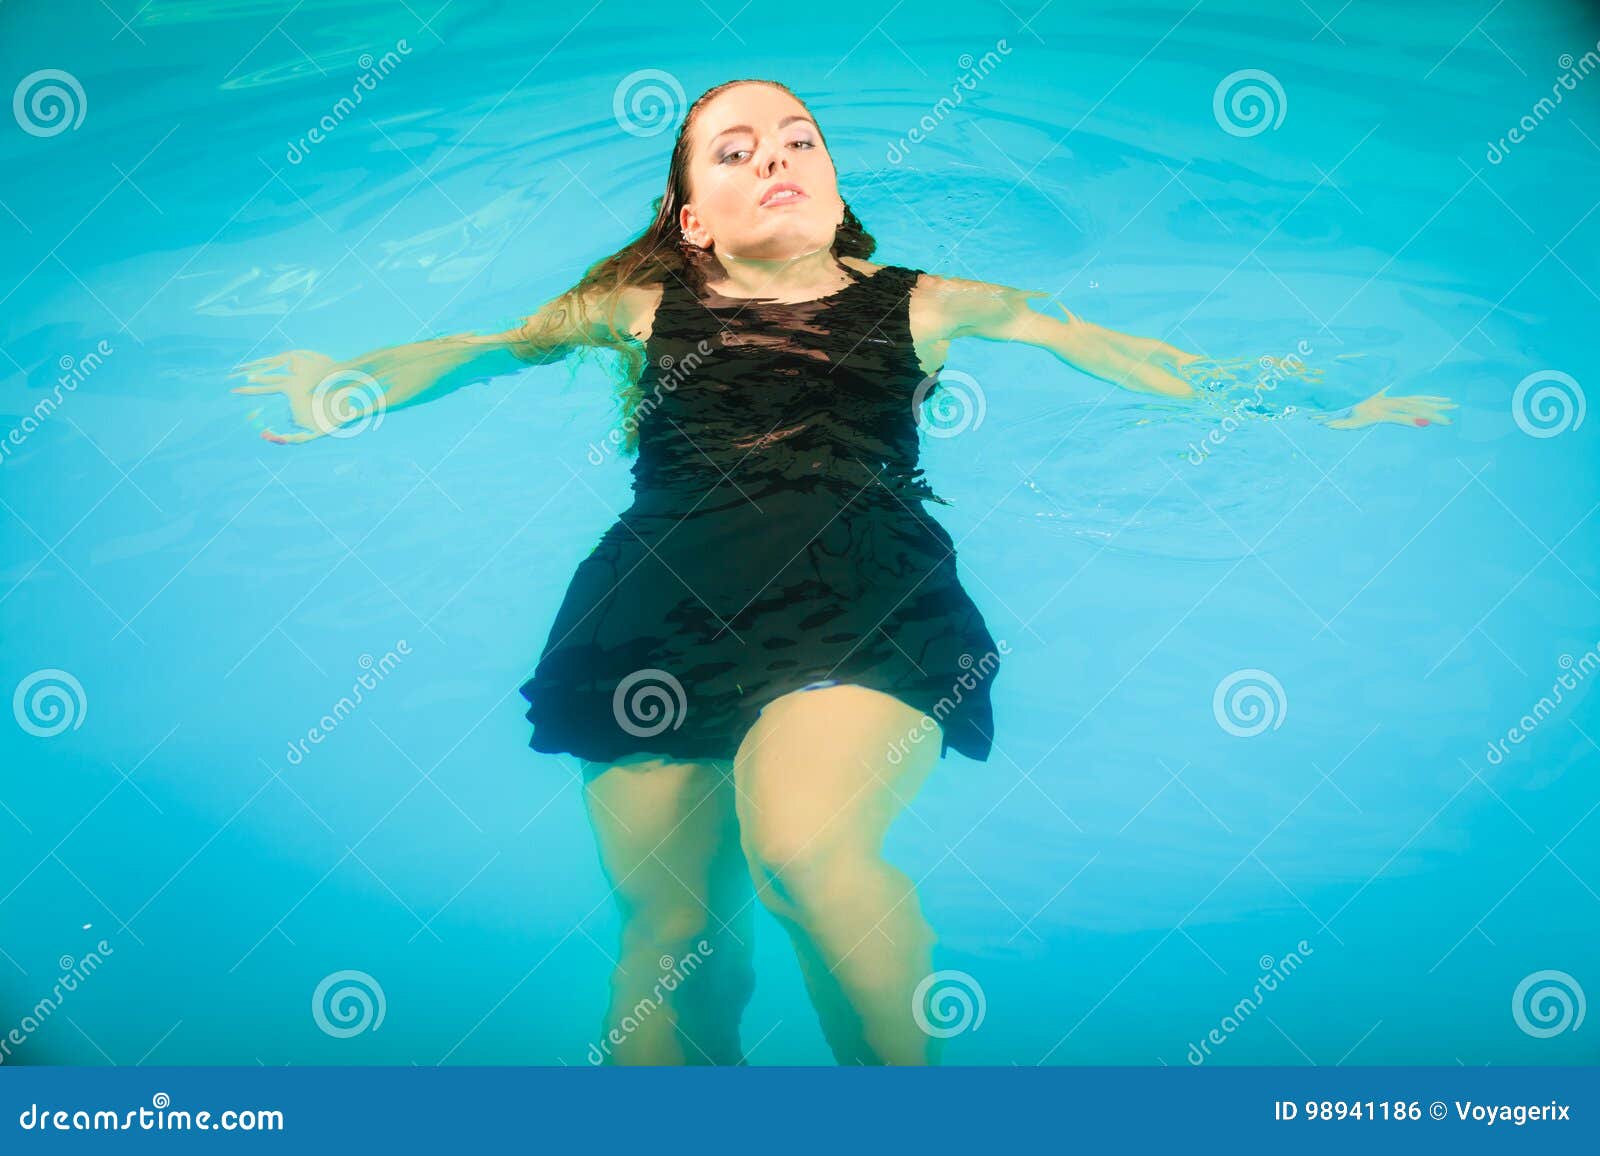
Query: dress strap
[894, 283]
[679, 312]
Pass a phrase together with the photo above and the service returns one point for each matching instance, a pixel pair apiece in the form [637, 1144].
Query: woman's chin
[786, 243]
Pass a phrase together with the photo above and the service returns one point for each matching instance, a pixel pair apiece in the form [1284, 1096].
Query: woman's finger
[287, 439]
[262, 375]
[260, 363]
[256, 389]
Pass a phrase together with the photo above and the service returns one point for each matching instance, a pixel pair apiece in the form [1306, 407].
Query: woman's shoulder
[872, 270]
[936, 285]
[633, 309]
[931, 287]
[944, 307]
[963, 295]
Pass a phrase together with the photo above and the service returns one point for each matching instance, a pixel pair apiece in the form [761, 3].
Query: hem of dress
[975, 748]
[581, 749]
[965, 736]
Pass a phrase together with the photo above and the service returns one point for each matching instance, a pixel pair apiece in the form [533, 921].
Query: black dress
[777, 538]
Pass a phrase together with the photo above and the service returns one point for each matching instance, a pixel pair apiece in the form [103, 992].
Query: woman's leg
[669, 844]
[821, 776]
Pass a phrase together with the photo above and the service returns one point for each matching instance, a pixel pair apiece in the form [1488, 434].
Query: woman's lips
[783, 195]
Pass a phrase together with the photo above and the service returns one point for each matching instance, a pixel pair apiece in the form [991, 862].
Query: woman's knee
[666, 928]
[660, 946]
[794, 867]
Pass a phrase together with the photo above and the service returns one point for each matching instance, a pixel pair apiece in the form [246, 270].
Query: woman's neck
[805, 275]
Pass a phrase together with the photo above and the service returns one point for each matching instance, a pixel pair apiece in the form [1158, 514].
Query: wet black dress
[777, 538]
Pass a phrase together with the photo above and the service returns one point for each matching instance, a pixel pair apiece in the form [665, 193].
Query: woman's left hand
[1417, 410]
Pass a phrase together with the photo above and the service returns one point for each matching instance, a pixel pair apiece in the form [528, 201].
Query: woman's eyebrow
[784, 123]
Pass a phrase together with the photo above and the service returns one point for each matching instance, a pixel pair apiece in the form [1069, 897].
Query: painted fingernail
[1420, 420]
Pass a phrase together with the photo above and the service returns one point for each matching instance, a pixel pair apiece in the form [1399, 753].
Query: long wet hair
[662, 252]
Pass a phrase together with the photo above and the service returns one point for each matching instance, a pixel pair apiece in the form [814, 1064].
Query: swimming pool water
[1413, 866]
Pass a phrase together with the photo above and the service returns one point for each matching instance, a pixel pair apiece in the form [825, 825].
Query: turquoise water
[1118, 877]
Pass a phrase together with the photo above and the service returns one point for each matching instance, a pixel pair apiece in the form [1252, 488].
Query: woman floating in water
[769, 651]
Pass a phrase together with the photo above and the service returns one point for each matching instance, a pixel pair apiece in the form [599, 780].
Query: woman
[768, 652]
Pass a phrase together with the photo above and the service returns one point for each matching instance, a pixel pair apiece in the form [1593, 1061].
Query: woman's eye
[740, 154]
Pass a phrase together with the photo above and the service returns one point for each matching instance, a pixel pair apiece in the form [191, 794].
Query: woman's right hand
[325, 396]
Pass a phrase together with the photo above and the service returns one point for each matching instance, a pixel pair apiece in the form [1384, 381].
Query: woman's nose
[771, 162]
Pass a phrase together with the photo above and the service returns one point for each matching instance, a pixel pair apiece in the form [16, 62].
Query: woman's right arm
[325, 394]
[944, 308]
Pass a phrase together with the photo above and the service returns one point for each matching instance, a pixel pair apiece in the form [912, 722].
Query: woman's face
[761, 184]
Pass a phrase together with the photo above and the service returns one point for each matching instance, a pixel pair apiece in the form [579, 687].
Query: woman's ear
[692, 229]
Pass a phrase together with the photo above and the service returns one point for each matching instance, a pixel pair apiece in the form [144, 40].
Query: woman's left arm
[946, 308]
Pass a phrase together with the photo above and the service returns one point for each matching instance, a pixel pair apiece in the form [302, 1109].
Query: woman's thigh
[830, 767]
[667, 833]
